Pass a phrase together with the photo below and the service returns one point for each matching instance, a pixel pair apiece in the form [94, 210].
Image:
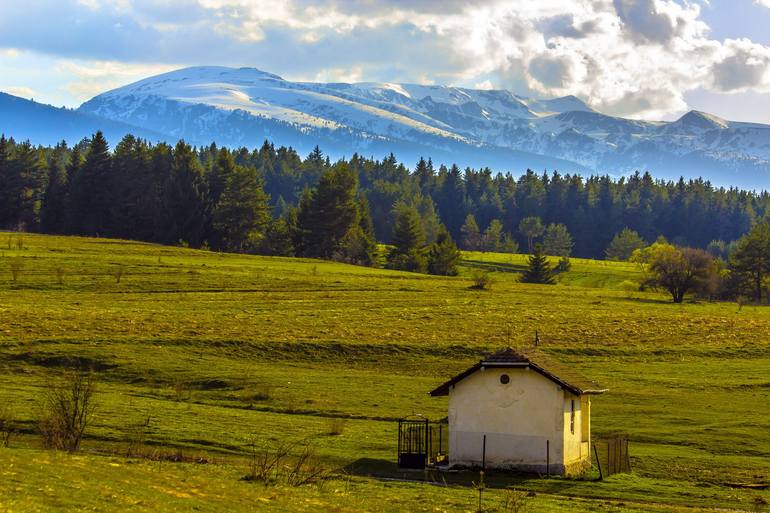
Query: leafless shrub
[17, 265]
[59, 275]
[7, 427]
[336, 426]
[287, 463]
[136, 435]
[66, 410]
[514, 501]
[19, 241]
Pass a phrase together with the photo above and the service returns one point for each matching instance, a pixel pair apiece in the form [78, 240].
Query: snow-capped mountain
[468, 126]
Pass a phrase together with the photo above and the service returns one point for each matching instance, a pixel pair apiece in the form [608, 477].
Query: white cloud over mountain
[626, 57]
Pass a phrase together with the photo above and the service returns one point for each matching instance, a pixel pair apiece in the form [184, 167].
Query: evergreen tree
[531, 227]
[557, 241]
[443, 255]
[90, 198]
[185, 199]
[492, 239]
[327, 214]
[53, 212]
[623, 245]
[278, 241]
[750, 260]
[408, 252]
[241, 216]
[538, 268]
[7, 204]
[471, 234]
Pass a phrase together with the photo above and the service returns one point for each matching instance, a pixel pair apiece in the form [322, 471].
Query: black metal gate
[421, 443]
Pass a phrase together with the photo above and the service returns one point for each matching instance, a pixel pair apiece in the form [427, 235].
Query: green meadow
[196, 353]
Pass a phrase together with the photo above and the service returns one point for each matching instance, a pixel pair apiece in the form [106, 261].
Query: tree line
[272, 200]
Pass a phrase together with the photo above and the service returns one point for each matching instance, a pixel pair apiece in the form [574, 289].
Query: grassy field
[208, 350]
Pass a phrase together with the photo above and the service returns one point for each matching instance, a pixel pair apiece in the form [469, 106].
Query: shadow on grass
[386, 469]
[500, 267]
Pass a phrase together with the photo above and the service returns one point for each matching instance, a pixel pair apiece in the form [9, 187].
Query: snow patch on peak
[702, 120]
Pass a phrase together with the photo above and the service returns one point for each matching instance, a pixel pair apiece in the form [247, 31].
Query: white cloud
[764, 3]
[20, 91]
[626, 57]
[485, 85]
[90, 78]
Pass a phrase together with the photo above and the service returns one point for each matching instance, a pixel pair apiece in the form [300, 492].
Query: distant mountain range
[471, 127]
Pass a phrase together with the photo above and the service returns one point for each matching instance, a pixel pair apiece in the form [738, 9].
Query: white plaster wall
[518, 419]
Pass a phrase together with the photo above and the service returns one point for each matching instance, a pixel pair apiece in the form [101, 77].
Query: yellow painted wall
[575, 445]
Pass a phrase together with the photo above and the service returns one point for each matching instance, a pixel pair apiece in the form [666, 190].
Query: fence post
[548, 458]
[598, 462]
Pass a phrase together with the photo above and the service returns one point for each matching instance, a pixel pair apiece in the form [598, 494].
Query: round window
[505, 379]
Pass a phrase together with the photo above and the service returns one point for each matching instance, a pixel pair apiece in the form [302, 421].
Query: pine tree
[241, 216]
[492, 239]
[53, 211]
[408, 253]
[443, 255]
[90, 196]
[557, 241]
[538, 268]
[185, 199]
[623, 245]
[327, 214]
[471, 234]
[750, 260]
[7, 208]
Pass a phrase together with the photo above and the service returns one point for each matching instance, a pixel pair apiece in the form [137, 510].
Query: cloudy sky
[649, 59]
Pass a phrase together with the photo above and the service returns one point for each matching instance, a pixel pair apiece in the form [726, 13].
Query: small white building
[520, 411]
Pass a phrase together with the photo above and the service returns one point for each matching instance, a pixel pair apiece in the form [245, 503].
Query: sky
[644, 59]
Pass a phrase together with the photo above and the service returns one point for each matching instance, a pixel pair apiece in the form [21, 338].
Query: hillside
[208, 349]
[43, 124]
[470, 127]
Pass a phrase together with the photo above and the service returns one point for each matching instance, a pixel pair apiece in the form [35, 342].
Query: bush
[514, 501]
[628, 286]
[481, 280]
[287, 463]
[17, 265]
[564, 265]
[67, 409]
[336, 426]
[59, 275]
[7, 428]
[261, 393]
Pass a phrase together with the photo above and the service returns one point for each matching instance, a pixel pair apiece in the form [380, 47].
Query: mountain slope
[44, 124]
[467, 126]
[470, 127]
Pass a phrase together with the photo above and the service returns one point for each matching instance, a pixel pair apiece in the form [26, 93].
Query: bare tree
[67, 409]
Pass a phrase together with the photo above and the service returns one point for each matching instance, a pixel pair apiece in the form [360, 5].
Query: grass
[197, 352]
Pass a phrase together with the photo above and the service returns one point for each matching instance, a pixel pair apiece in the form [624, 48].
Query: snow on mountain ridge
[434, 116]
